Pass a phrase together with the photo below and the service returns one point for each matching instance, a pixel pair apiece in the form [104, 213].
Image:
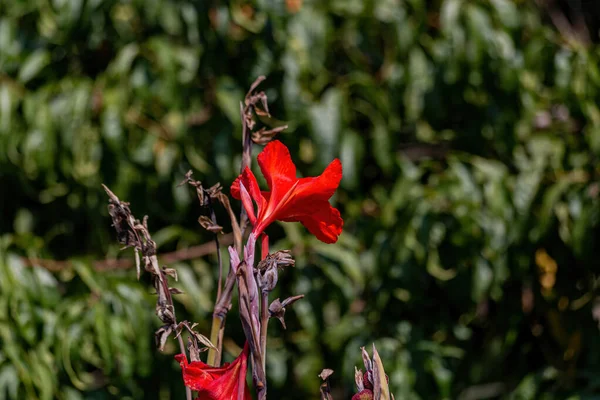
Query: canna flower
[365, 394]
[217, 383]
[290, 199]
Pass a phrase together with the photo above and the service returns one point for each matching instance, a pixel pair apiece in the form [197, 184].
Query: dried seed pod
[267, 269]
[277, 308]
[267, 280]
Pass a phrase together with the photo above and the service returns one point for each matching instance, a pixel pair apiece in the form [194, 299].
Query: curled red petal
[217, 383]
[196, 375]
[325, 223]
[249, 180]
[235, 188]
[247, 203]
[245, 188]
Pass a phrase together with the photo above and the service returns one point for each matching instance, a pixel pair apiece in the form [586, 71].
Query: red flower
[217, 383]
[304, 200]
[365, 394]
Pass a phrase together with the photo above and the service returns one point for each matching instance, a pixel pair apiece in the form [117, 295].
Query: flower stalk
[289, 199]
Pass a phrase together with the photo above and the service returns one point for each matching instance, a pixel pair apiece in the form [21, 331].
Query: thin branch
[577, 32]
[161, 130]
[190, 253]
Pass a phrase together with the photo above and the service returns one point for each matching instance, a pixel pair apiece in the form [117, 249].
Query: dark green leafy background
[469, 132]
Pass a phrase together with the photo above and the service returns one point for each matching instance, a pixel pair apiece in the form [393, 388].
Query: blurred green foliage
[469, 132]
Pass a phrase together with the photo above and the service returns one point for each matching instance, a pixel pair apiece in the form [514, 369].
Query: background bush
[470, 138]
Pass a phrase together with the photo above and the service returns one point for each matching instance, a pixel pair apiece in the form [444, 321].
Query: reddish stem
[264, 246]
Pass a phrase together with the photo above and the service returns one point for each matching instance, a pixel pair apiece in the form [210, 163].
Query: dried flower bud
[267, 280]
[326, 373]
[171, 272]
[263, 136]
[359, 379]
[277, 308]
[268, 269]
[162, 335]
[279, 259]
[215, 190]
[193, 349]
[209, 225]
[366, 359]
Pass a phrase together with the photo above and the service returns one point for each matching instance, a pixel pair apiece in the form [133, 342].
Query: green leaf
[9, 382]
[326, 119]
[482, 280]
[33, 65]
[229, 97]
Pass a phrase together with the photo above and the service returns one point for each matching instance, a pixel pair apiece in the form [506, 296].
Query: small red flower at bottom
[217, 383]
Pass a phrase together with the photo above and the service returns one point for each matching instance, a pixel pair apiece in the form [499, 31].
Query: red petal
[277, 167]
[324, 185]
[311, 207]
[247, 203]
[324, 222]
[249, 180]
[239, 189]
[308, 191]
[365, 394]
[228, 385]
[235, 188]
[212, 383]
[196, 375]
